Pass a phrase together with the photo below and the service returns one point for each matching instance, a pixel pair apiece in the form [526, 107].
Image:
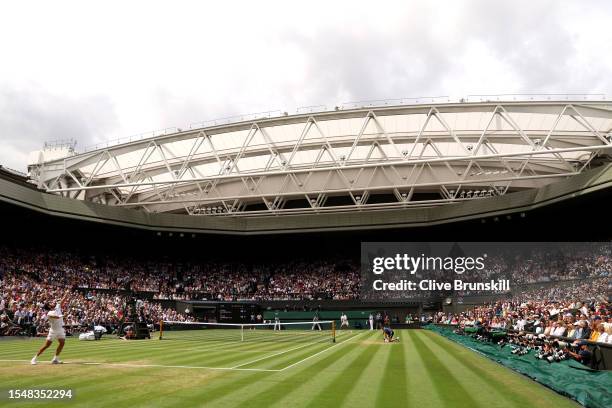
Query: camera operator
[583, 354]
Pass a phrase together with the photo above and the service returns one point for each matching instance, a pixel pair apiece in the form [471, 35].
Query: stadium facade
[360, 167]
[275, 191]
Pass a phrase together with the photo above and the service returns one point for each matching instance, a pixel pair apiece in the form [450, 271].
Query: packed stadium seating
[99, 286]
[330, 279]
[551, 312]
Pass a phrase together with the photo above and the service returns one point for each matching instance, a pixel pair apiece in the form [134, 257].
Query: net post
[242, 332]
[161, 329]
[333, 331]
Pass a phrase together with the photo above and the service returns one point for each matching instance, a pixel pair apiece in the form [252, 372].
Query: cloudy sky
[94, 73]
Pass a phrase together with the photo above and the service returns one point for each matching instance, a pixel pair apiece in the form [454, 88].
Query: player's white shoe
[33, 361]
[56, 361]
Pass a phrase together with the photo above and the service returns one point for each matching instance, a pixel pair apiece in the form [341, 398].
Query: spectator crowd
[565, 289]
[557, 323]
[23, 298]
[578, 311]
[227, 281]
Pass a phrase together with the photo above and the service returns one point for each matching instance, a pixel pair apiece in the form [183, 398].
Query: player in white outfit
[344, 321]
[315, 322]
[371, 321]
[56, 332]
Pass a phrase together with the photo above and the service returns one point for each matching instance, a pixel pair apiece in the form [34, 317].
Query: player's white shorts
[56, 335]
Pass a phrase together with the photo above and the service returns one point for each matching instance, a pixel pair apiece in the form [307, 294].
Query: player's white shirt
[56, 326]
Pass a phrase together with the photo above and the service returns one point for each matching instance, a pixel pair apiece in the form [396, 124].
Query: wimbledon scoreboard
[222, 312]
[235, 312]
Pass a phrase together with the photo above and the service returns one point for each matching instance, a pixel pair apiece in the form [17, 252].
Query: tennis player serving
[56, 332]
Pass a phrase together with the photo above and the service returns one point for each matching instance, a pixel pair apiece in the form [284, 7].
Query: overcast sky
[72, 70]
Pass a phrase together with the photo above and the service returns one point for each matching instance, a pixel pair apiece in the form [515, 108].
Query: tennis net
[290, 331]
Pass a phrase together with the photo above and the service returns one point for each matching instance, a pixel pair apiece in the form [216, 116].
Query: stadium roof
[360, 158]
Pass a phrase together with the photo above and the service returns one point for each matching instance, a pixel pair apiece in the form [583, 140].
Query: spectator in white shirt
[520, 324]
[559, 330]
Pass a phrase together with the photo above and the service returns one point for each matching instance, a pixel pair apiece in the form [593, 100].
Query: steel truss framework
[375, 158]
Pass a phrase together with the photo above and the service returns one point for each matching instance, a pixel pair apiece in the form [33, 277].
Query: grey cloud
[371, 66]
[530, 39]
[28, 118]
[175, 109]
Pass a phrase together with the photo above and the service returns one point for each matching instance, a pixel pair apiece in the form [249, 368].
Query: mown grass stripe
[171, 357]
[318, 353]
[185, 356]
[342, 383]
[291, 380]
[421, 391]
[489, 387]
[124, 352]
[253, 361]
[301, 396]
[288, 359]
[232, 383]
[394, 384]
[364, 372]
[362, 390]
[451, 391]
[507, 385]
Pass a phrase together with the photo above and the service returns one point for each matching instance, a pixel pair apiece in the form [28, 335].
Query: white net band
[275, 331]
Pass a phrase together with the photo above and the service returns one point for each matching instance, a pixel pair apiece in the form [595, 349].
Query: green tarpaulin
[591, 388]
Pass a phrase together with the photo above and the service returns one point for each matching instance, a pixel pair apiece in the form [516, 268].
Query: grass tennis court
[424, 370]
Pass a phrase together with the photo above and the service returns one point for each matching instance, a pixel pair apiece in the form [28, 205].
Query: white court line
[155, 345]
[278, 354]
[151, 366]
[322, 351]
[235, 368]
[199, 349]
